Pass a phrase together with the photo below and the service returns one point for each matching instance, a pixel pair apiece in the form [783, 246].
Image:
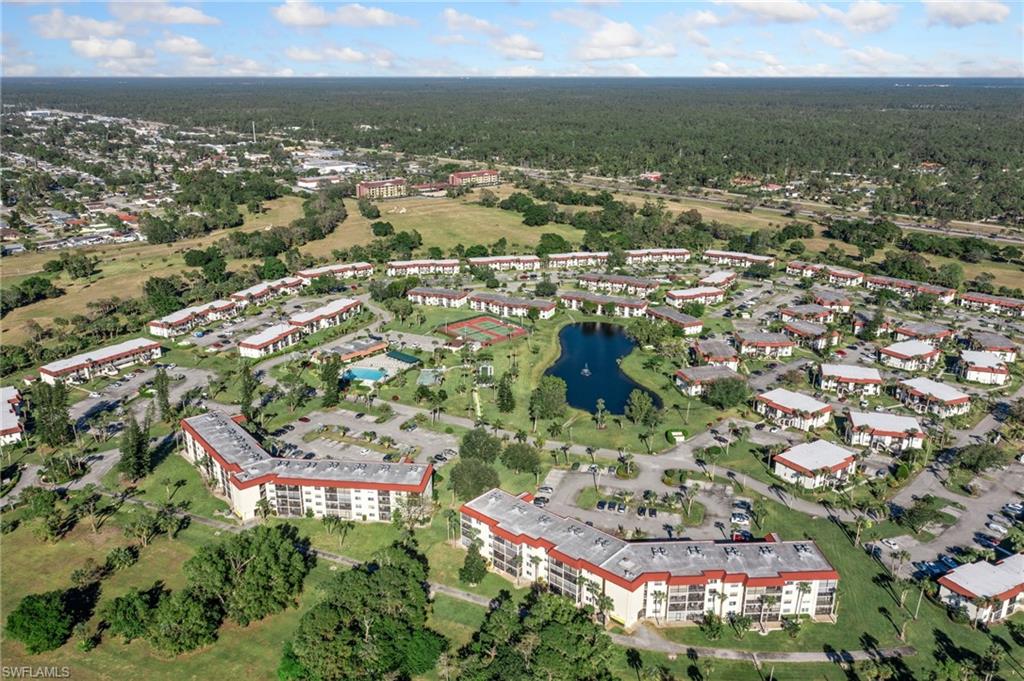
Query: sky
[286, 38]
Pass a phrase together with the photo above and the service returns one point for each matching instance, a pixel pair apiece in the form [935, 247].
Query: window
[288, 500]
[563, 579]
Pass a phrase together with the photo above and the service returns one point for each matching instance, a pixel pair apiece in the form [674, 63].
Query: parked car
[641, 511]
[540, 502]
[997, 528]
[304, 419]
[360, 415]
[601, 505]
[546, 489]
[948, 561]
[740, 519]
[652, 512]
[891, 543]
[621, 508]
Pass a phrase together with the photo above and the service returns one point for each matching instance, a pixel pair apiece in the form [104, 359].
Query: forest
[697, 132]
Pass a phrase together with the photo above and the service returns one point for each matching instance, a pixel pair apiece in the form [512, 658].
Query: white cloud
[775, 11]
[864, 16]
[698, 38]
[518, 46]
[960, 14]
[183, 45]
[303, 14]
[990, 68]
[460, 21]
[518, 71]
[15, 70]
[830, 39]
[578, 18]
[620, 40]
[380, 58]
[159, 12]
[14, 59]
[452, 39]
[770, 67]
[102, 48]
[878, 61]
[58, 25]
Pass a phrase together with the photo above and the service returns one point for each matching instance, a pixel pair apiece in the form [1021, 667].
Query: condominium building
[811, 312]
[691, 326]
[248, 477]
[264, 291]
[883, 431]
[848, 379]
[382, 189]
[107, 361]
[764, 344]
[840, 276]
[503, 263]
[716, 352]
[720, 279]
[907, 288]
[618, 283]
[812, 335]
[833, 300]
[996, 343]
[12, 428]
[705, 295]
[185, 320]
[861, 319]
[986, 302]
[911, 355]
[654, 256]
[505, 306]
[325, 316]
[926, 396]
[477, 178]
[668, 582]
[982, 367]
[338, 271]
[987, 592]
[437, 297]
[815, 464]
[406, 268]
[925, 331]
[792, 410]
[615, 306]
[694, 381]
[270, 340]
[737, 259]
[578, 259]
[804, 270]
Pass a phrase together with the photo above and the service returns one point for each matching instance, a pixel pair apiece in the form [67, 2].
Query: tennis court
[483, 330]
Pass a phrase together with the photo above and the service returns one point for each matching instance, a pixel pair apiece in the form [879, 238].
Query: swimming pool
[365, 374]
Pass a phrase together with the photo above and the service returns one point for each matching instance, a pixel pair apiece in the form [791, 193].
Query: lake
[597, 347]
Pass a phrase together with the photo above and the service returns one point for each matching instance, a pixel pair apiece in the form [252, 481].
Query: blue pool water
[364, 374]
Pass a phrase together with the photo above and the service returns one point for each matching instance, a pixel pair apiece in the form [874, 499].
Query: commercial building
[382, 189]
[189, 318]
[618, 283]
[719, 279]
[812, 335]
[705, 295]
[578, 259]
[764, 344]
[815, 464]
[503, 263]
[477, 178]
[716, 352]
[406, 268]
[351, 350]
[437, 297]
[840, 276]
[326, 316]
[270, 340]
[986, 302]
[505, 306]
[982, 367]
[792, 410]
[995, 343]
[925, 331]
[12, 429]
[911, 355]
[737, 259]
[654, 256]
[694, 381]
[669, 582]
[338, 271]
[615, 306]
[811, 312]
[246, 475]
[883, 431]
[804, 270]
[833, 300]
[109, 360]
[987, 592]
[848, 379]
[691, 326]
[924, 395]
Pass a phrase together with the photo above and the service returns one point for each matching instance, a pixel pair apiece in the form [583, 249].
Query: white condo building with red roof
[850, 379]
[792, 409]
[815, 464]
[883, 431]
[109, 360]
[988, 592]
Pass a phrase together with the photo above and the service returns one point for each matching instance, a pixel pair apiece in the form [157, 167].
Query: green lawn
[175, 479]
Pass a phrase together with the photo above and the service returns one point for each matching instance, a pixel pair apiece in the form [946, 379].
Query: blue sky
[300, 38]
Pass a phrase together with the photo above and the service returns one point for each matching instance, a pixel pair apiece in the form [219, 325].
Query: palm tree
[802, 589]
[659, 598]
[900, 557]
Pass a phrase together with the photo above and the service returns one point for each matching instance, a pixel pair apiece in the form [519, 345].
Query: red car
[304, 419]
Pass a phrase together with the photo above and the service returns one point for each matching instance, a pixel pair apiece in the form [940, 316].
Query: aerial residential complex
[989, 592]
[109, 360]
[674, 582]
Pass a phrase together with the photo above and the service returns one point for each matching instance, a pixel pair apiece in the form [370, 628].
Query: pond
[589, 365]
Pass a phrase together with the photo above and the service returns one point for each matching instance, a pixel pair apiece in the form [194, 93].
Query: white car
[891, 543]
[997, 528]
[546, 489]
[740, 519]
[94, 395]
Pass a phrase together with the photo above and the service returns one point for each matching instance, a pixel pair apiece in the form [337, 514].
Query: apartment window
[505, 556]
[288, 500]
[384, 505]
[686, 603]
[826, 598]
[563, 579]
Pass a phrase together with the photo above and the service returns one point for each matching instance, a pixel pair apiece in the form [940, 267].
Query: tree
[639, 407]
[41, 622]
[521, 457]
[547, 401]
[470, 478]
[727, 393]
[50, 410]
[183, 621]
[711, 625]
[252, 574]
[600, 414]
[480, 445]
[505, 399]
[330, 377]
[162, 388]
[128, 616]
[474, 567]
[136, 457]
[248, 384]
